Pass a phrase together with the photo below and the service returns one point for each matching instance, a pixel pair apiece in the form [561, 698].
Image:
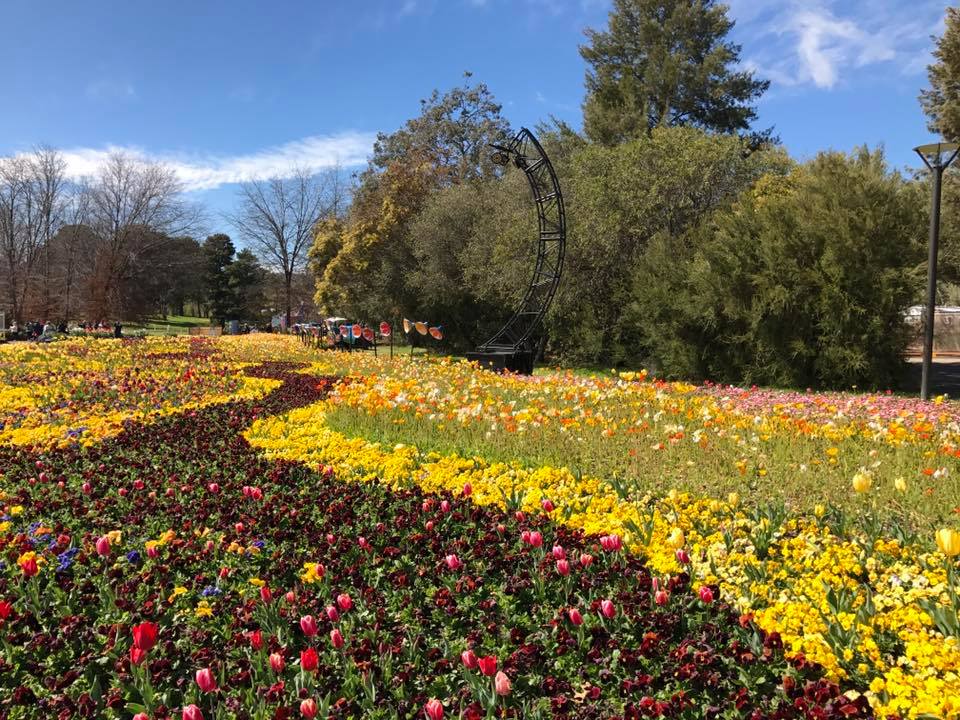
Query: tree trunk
[287, 283]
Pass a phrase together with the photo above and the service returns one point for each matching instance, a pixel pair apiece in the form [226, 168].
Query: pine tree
[665, 63]
[941, 102]
[218, 255]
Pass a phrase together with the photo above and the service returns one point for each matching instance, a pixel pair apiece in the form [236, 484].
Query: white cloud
[205, 172]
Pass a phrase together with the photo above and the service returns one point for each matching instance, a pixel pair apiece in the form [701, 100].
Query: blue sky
[226, 90]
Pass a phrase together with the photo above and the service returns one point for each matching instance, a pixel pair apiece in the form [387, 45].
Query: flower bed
[171, 571]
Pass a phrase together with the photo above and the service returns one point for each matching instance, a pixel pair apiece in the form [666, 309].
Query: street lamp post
[933, 157]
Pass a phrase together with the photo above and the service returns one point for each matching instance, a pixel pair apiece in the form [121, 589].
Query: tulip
[145, 636]
[87, 488]
[575, 617]
[558, 552]
[433, 709]
[209, 546]
[488, 665]
[364, 545]
[224, 573]
[525, 537]
[519, 516]
[153, 552]
[122, 492]
[467, 490]
[501, 683]
[330, 538]
[256, 639]
[547, 506]
[103, 546]
[607, 609]
[238, 527]
[611, 543]
[706, 594]
[563, 567]
[862, 482]
[682, 556]
[445, 506]
[425, 507]
[290, 597]
[246, 490]
[453, 562]
[733, 499]
[332, 613]
[309, 660]
[308, 625]
[205, 680]
[29, 567]
[265, 594]
[277, 662]
[676, 539]
[501, 528]
[308, 708]
[138, 484]
[256, 494]
[336, 639]
[429, 526]
[536, 539]
[469, 659]
[6, 608]
[661, 597]
[344, 601]
[900, 484]
[141, 716]
[586, 559]
[192, 712]
[948, 542]
[137, 655]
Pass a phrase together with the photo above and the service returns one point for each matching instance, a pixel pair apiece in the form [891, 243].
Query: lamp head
[933, 154]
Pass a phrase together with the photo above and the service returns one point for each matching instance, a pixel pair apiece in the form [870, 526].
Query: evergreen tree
[246, 279]
[663, 63]
[941, 102]
[218, 253]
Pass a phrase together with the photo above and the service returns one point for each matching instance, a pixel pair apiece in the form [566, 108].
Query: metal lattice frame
[518, 334]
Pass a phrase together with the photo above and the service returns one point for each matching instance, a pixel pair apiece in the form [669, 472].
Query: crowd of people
[47, 331]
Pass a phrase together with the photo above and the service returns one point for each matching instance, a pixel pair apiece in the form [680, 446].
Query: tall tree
[218, 253]
[941, 102]
[246, 279]
[663, 63]
[276, 217]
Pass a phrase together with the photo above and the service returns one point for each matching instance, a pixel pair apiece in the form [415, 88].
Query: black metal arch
[514, 346]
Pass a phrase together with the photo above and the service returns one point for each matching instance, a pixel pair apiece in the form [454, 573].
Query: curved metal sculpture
[514, 347]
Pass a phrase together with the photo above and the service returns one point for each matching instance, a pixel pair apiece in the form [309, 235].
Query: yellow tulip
[862, 482]
[900, 484]
[819, 510]
[733, 499]
[676, 539]
[948, 541]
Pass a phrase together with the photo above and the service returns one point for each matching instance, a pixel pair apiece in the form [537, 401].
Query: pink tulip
[608, 609]
[336, 639]
[575, 617]
[290, 597]
[661, 597]
[536, 539]
[453, 562]
[445, 506]
[192, 712]
[519, 516]
[122, 492]
[214, 488]
[429, 526]
[611, 543]
[467, 490]
[141, 716]
[246, 490]
[547, 506]
[469, 659]
[682, 556]
[330, 538]
[426, 506]
[563, 567]
[138, 484]
[308, 625]
[332, 613]
[501, 528]
[277, 663]
[558, 553]
[205, 680]
[433, 709]
[308, 708]
[238, 527]
[103, 546]
[525, 537]
[501, 683]
[87, 488]
[344, 601]
[586, 559]
[364, 545]
[706, 594]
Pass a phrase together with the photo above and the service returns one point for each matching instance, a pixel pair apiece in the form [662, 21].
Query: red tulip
[453, 562]
[682, 556]
[137, 655]
[6, 607]
[87, 488]
[575, 617]
[265, 594]
[29, 567]
[536, 539]
[145, 635]
[488, 665]
[103, 546]
[344, 601]
[501, 528]
[141, 716]
[336, 639]
[192, 712]
[525, 537]
[205, 680]
[501, 683]
[153, 552]
[467, 490]
[256, 494]
[308, 708]
[563, 567]
[469, 659]
[238, 527]
[425, 507]
[558, 552]
[429, 526]
[519, 516]
[256, 639]
[547, 506]
[290, 597]
[332, 613]
[607, 609]
[586, 559]
[246, 490]
[308, 625]
[661, 597]
[122, 492]
[277, 663]
[138, 484]
[364, 543]
[706, 594]
[224, 573]
[309, 660]
[213, 487]
[433, 709]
